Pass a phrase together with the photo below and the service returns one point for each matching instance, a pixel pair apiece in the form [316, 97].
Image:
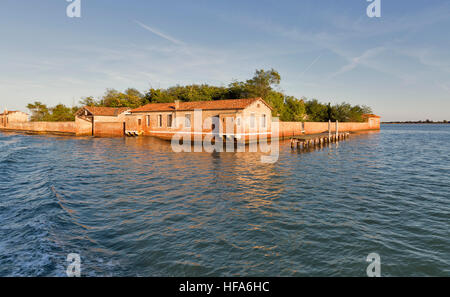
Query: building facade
[100, 121]
[373, 120]
[234, 118]
[13, 117]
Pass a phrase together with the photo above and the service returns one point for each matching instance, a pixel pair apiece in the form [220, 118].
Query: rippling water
[132, 207]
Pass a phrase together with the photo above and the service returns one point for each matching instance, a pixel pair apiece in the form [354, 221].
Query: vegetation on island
[58, 113]
[263, 84]
[428, 121]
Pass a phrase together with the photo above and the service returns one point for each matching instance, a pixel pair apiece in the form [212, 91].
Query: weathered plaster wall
[112, 129]
[290, 129]
[117, 125]
[43, 127]
[110, 119]
[295, 128]
[83, 127]
[13, 117]
[150, 126]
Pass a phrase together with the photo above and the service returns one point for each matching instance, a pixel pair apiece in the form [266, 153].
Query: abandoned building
[231, 118]
[13, 117]
[100, 121]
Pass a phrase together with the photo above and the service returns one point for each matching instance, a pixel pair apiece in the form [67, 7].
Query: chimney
[177, 104]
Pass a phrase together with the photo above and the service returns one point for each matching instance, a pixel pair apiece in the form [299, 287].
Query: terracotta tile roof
[370, 116]
[106, 111]
[204, 105]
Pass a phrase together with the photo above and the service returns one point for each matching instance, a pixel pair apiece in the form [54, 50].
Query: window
[263, 121]
[160, 120]
[252, 120]
[187, 121]
[139, 122]
[148, 121]
[238, 121]
[169, 120]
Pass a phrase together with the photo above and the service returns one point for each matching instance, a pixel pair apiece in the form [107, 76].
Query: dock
[303, 142]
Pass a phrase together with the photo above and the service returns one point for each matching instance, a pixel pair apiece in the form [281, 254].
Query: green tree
[237, 89]
[59, 113]
[89, 101]
[357, 111]
[262, 83]
[133, 98]
[39, 111]
[276, 101]
[186, 93]
[130, 98]
[112, 98]
[316, 111]
[340, 112]
[294, 110]
[62, 113]
[154, 96]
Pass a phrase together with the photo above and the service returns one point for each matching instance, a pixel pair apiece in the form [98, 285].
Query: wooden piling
[337, 129]
[302, 143]
[329, 128]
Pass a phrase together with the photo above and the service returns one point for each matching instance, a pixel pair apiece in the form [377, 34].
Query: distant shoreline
[415, 123]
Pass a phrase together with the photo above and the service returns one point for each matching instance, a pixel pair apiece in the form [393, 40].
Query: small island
[251, 106]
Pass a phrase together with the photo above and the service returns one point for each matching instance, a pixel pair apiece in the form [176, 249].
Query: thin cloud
[444, 86]
[160, 34]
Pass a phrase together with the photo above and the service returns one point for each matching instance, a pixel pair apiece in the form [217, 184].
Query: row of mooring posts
[302, 143]
[318, 141]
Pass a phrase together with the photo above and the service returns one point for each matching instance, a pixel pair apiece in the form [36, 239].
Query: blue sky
[398, 64]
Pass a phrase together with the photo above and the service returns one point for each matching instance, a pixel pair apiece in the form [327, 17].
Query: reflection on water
[133, 207]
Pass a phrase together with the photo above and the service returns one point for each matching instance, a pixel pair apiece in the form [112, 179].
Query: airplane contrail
[160, 34]
[310, 65]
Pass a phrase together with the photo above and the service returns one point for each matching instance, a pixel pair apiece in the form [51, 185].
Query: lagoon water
[132, 207]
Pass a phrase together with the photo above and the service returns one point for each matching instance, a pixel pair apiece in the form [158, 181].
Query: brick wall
[105, 129]
[83, 127]
[43, 127]
[295, 128]
[290, 129]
